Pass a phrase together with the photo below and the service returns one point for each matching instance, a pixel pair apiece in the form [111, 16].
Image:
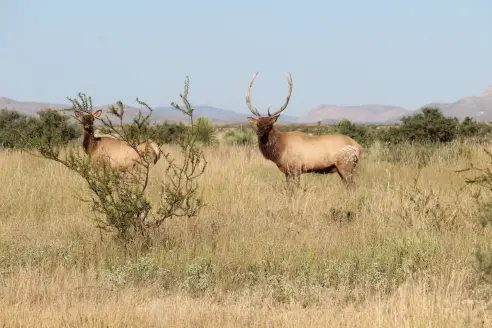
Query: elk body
[115, 152]
[296, 153]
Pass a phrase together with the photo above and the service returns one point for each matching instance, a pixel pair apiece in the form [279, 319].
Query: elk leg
[347, 163]
[348, 179]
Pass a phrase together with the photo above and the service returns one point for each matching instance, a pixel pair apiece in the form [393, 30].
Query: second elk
[112, 152]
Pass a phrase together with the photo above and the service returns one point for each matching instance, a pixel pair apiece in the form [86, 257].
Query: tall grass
[400, 253]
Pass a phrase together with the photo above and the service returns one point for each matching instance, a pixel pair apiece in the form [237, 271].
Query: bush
[119, 198]
[469, 128]
[53, 128]
[241, 136]
[50, 127]
[11, 122]
[428, 126]
[168, 133]
[357, 132]
[205, 131]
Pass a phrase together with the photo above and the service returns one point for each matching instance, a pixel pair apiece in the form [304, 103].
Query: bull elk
[296, 153]
[115, 152]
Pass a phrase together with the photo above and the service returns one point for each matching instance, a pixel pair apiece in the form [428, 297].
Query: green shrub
[54, 128]
[357, 132]
[119, 198]
[11, 122]
[206, 132]
[470, 129]
[241, 136]
[167, 132]
[49, 127]
[430, 125]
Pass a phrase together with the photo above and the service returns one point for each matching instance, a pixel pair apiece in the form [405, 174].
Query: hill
[217, 115]
[359, 114]
[476, 107]
[324, 113]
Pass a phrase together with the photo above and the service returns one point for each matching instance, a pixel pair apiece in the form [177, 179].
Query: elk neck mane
[270, 144]
[89, 142]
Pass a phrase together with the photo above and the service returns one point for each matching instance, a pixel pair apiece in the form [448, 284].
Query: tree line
[428, 125]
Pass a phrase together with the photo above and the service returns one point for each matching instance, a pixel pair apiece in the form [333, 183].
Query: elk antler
[248, 97]
[289, 80]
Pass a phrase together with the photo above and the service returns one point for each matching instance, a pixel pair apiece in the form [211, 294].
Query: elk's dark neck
[270, 144]
[89, 139]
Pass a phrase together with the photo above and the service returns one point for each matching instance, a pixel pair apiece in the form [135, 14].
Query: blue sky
[405, 53]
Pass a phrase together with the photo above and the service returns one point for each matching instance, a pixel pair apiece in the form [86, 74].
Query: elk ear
[77, 114]
[97, 114]
[252, 120]
[274, 119]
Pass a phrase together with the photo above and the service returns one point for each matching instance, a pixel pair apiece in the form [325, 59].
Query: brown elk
[296, 153]
[115, 152]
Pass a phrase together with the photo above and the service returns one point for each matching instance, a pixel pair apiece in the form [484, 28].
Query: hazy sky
[405, 53]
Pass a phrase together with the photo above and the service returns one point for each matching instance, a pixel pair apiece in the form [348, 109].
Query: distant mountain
[476, 107]
[27, 107]
[358, 114]
[160, 114]
[217, 115]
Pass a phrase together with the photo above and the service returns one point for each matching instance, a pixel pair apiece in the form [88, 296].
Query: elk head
[87, 120]
[265, 123]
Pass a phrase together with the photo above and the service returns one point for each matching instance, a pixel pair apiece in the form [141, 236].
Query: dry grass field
[398, 253]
